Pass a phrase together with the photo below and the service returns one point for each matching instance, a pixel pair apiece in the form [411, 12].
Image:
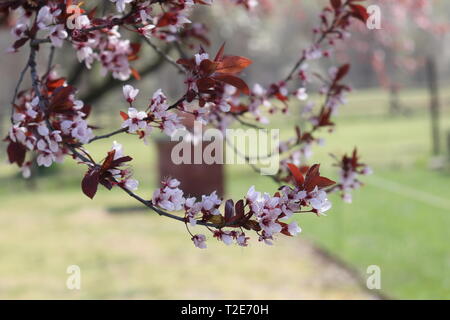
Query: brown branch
[123, 130]
[51, 57]
[247, 124]
[43, 105]
[16, 90]
[112, 23]
[108, 135]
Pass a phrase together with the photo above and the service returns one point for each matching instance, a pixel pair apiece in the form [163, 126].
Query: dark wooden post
[196, 179]
[394, 104]
[434, 104]
[448, 145]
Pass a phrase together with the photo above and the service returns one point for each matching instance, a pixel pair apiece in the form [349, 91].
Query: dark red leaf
[296, 174]
[208, 67]
[167, 19]
[16, 153]
[233, 64]
[89, 184]
[54, 84]
[118, 162]
[239, 208]
[342, 72]
[238, 109]
[19, 43]
[313, 179]
[219, 55]
[106, 183]
[336, 4]
[124, 115]
[205, 84]
[252, 225]
[135, 74]
[360, 12]
[320, 182]
[60, 98]
[108, 162]
[234, 81]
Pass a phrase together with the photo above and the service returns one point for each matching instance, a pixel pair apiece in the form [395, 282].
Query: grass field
[398, 221]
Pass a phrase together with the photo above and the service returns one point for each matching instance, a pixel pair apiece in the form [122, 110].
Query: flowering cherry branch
[49, 121]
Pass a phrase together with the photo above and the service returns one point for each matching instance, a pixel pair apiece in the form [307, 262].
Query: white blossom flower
[118, 148]
[252, 195]
[199, 241]
[301, 94]
[242, 240]
[319, 201]
[147, 30]
[211, 203]
[199, 57]
[45, 159]
[294, 229]
[43, 130]
[169, 197]
[135, 120]
[130, 93]
[226, 238]
[26, 170]
[131, 184]
[57, 35]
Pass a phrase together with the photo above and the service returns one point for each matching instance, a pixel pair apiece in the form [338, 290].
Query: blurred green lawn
[404, 232]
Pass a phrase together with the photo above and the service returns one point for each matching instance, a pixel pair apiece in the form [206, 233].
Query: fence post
[434, 104]
[448, 146]
[394, 104]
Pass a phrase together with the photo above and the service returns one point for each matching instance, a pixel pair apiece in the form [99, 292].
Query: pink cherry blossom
[199, 241]
[130, 93]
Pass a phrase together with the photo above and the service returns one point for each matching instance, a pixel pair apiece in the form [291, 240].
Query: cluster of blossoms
[166, 26]
[349, 170]
[157, 115]
[262, 213]
[99, 39]
[171, 198]
[50, 122]
[47, 22]
[44, 131]
[110, 50]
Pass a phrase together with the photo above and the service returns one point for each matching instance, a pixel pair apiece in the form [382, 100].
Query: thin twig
[319, 41]
[248, 160]
[163, 54]
[50, 59]
[247, 124]
[180, 50]
[16, 90]
[108, 135]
